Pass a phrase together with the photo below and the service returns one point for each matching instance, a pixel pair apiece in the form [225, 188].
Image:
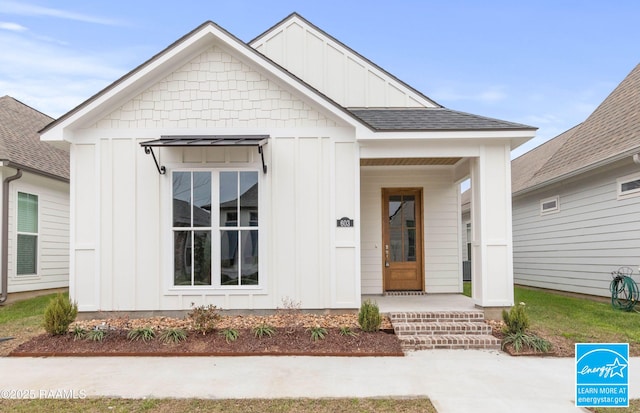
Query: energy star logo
[602, 375]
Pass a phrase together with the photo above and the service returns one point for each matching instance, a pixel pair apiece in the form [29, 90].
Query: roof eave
[587, 168]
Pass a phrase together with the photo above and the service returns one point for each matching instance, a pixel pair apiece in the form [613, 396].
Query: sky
[547, 64]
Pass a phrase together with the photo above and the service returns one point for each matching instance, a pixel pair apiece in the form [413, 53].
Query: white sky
[543, 63]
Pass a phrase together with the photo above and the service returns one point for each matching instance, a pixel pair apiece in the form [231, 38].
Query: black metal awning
[206, 141]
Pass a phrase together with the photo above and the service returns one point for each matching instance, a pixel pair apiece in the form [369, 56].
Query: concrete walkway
[454, 380]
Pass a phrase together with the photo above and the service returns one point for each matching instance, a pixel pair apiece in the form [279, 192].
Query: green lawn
[579, 319]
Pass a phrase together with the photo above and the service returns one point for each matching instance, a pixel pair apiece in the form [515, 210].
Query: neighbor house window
[27, 245]
[628, 186]
[215, 238]
[549, 205]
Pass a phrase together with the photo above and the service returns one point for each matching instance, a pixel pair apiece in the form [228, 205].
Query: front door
[402, 239]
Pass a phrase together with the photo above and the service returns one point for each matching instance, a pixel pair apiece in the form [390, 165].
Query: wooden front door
[402, 239]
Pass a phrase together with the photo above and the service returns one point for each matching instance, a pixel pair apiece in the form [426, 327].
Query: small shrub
[346, 331]
[79, 333]
[291, 315]
[141, 333]
[96, 335]
[529, 340]
[262, 330]
[173, 335]
[516, 320]
[59, 315]
[204, 318]
[369, 316]
[230, 334]
[318, 333]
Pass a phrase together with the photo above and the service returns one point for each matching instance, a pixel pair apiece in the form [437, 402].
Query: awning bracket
[264, 167]
[161, 169]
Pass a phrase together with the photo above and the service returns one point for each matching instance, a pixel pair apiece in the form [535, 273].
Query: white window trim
[553, 210]
[215, 287]
[37, 234]
[623, 180]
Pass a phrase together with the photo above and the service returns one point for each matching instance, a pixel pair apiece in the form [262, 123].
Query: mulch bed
[287, 340]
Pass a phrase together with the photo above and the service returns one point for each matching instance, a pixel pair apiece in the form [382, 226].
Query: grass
[418, 405]
[26, 312]
[580, 320]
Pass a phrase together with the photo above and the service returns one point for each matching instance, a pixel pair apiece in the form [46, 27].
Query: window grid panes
[27, 239]
[238, 232]
[235, 218]
[192, 228]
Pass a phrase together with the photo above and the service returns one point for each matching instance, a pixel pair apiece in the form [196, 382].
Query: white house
[234, 174]
[35, 203]
[576, 200]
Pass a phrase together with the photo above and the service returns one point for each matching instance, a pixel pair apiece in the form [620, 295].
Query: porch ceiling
[408, 161]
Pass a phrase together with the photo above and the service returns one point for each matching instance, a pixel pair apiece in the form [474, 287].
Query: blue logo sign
[602, 375]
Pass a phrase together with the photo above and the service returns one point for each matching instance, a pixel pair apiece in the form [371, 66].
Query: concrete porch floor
[428, 302]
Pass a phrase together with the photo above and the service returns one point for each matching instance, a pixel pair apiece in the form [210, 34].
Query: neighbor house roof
[20, 142]
[612, 131]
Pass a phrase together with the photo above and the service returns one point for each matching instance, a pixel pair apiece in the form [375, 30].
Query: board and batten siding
[123, 255]
[441, 217]
[53, 234]
[577, 248]
[333, 69]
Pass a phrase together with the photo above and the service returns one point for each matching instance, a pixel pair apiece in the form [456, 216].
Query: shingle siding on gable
[214, 90]
[577, 248]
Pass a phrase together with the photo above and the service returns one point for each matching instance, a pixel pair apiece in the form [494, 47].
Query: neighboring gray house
[576, 200]
[34, 203]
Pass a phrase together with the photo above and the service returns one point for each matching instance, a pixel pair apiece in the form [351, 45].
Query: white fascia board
[514, 137]
[364, 134]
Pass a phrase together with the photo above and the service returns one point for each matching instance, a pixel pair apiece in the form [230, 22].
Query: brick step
[438, 328]
[450, 342]
[437, 316]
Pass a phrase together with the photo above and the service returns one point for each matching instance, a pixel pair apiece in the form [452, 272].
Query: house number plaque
[345, 222]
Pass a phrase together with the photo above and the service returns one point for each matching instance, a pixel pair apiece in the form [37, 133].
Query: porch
[421, 303]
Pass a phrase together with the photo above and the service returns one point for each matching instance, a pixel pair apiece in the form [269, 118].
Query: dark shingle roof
[424, 119]
[20, 142]
[612, 130]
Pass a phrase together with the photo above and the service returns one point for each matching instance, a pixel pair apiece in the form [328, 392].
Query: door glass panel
[408, 210]
[395, 211]
[395, 244]
[409, 244]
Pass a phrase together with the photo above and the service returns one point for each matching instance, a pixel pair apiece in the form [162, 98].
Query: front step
[443, 330]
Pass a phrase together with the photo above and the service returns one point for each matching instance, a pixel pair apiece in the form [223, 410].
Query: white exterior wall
[492, 245]
[53, 232]
[337, 72]
[122, 252]
[441, 223]
[592, 234]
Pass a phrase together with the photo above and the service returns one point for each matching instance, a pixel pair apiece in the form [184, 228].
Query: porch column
[492, 248]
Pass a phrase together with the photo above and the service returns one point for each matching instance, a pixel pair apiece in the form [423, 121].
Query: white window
[549, 205]
[215, 228]
[628, 186]
[27, 240]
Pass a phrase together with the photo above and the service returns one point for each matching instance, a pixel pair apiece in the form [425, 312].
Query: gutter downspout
[5, 233]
